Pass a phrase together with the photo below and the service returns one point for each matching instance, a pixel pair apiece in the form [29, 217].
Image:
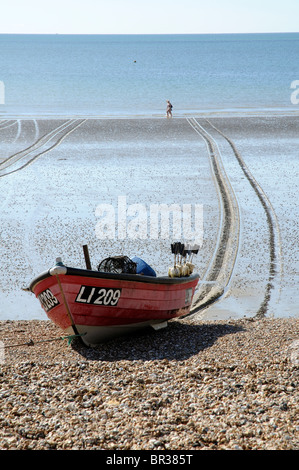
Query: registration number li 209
[98, 296]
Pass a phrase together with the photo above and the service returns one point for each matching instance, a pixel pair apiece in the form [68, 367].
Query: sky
[148, 16]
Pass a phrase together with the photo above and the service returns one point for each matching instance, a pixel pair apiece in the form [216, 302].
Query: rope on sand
[32, 343]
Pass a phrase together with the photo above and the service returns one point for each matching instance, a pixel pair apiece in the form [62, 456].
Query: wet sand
[267, 148]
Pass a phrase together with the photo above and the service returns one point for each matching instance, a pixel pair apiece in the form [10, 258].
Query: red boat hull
[100, 305]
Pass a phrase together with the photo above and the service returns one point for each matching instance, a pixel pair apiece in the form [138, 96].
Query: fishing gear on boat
[118, 265]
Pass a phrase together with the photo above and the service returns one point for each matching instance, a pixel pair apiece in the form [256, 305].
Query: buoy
[185, 271]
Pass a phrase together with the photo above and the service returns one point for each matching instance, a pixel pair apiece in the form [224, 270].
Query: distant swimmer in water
[168, 109]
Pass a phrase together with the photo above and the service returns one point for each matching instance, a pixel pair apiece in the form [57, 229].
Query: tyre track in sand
[217, 277]
[5, 123]
[25, 157]
[275, 270]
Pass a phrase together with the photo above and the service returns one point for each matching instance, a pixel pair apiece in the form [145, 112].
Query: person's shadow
[179, 341]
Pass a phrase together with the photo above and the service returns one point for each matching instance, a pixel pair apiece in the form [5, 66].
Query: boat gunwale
[117, 277]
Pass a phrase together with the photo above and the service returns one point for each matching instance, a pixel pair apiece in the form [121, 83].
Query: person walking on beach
[168, 109]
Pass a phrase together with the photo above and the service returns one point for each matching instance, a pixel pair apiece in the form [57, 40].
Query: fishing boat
[98, 305]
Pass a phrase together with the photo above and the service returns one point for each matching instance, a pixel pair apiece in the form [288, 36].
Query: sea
[134, 75]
